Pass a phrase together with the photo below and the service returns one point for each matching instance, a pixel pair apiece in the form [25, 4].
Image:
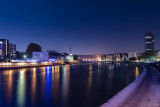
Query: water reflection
[9, 85]
[33, 86]
[55, 82]
[90, 79]
[43, 77]
[65, 82]
[137, 72]
[60, 85]
[21, 87]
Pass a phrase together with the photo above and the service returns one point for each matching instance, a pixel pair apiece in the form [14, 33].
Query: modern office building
[4, 48]
[12, 51]
[7, 50]
[149, 42]
[132, 54]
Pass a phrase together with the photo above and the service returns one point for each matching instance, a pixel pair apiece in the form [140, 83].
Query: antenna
[70, 49]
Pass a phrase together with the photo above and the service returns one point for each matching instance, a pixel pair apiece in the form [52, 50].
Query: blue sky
[90, 26]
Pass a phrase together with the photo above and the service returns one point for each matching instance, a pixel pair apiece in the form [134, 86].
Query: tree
[132, 59]
[148, 56]
[33, 47]
[17, 55]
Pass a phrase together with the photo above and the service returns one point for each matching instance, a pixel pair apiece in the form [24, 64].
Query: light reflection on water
[66, 85]
[33, 87]
[21, 87]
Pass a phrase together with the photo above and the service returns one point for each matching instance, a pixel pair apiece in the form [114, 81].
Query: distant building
[69, 58]
[12, 51]
[157, 53]
[117, 57]
[149, 42]
[42, 56]
[132, 54]
[124, 57]
[110, 57]
[49, 55]
[54, 54]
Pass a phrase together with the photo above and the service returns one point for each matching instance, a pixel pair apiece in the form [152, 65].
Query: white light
[147, 37]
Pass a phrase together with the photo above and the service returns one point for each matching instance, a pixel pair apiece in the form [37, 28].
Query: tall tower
[149, 42]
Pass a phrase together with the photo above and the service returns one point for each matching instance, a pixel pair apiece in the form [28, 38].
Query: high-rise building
[149, 42]
[4, 48]
[7, 50]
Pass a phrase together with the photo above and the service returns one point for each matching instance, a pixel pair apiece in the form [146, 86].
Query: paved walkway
[145, 94]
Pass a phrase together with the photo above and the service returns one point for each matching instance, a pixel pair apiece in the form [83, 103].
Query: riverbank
[143, 92]
[19, 67]
[9, 65]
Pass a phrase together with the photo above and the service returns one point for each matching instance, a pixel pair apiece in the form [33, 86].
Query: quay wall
[124, 93]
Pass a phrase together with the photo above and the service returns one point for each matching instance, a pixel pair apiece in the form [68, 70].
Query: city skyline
[90, 27]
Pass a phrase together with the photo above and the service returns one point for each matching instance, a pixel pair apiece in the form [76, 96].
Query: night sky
[91, 27]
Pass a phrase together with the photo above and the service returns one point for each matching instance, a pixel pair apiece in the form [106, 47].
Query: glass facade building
[149, 42]
[7, 50]
[4, 48]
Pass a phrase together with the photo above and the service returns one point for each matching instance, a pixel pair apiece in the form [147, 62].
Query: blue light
[48, 69]
[53, 60]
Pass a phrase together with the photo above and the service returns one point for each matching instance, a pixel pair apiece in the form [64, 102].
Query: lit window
[148, 42]
[147, 37]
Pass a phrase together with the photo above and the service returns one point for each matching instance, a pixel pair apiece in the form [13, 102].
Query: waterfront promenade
[143, 92]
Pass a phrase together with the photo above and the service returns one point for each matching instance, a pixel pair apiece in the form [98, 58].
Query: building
[132, 54]
[54, 54]
[12, 51]
[49, 55]
[110, 57]
[7, 50]
[69, 58]
[4, 48]
[124, 57]
[157, 53]
[149, 42]
[42, 56]
[117, 57]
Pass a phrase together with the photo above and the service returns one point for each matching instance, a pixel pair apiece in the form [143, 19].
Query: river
[77, 85]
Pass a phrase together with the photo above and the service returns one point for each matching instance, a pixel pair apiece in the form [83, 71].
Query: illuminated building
[7, 50]
[132, 54]
[43, 56]
[149, 42]
[69, 58]
[4, 48]
[118, 57]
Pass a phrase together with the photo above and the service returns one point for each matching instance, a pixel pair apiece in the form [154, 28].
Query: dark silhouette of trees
[132, 59]
[148, 56]
[33, 47]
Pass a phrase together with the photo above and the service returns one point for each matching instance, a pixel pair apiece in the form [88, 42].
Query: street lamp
[24, 56]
